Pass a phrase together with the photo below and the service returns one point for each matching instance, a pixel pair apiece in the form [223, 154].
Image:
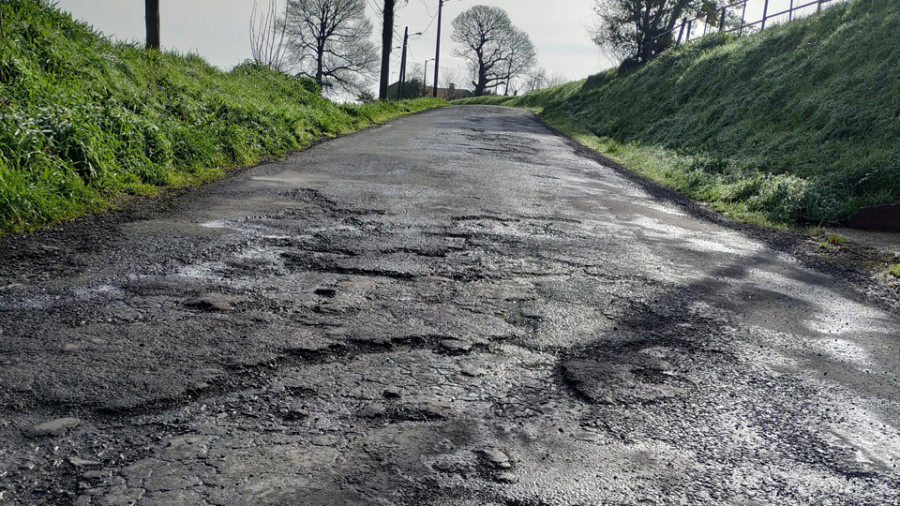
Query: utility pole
[151, 17]
[387, 39]
[403, 65]
[425, 78]
[437, 50]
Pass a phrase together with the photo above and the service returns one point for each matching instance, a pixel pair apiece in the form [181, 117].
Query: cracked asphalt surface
[457, 308]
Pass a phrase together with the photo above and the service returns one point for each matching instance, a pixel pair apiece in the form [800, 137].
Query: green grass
[797, 124]
[894, 270]
[84, 120]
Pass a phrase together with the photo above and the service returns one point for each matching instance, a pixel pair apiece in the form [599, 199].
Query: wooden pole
[387, 40]
[151, 17]
[437, 50]
[403, 65]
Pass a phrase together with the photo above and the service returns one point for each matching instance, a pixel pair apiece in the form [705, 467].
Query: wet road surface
[456, 308]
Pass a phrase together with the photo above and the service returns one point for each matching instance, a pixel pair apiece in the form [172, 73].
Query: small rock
[456, 345]
[372, 411]
[472, 371]
[80, 462]
[507, 477]
[26, 466]
[587, 436]
[497, 458]
[438, 409]
[56, 427]
[295, 413]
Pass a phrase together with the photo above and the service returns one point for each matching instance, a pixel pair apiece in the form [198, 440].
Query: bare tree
[556, 79]
[636, 31]
[495, 50]
[151, 19]
[536, 79]
[328, 41]
[539, 79]
[267, 36]
[521, 57]
[449, 79]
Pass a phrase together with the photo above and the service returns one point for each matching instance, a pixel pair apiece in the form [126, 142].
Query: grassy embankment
[795, 125]
[84, 120]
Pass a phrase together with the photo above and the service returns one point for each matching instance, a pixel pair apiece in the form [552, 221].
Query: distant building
[413, 88]
[448, 93]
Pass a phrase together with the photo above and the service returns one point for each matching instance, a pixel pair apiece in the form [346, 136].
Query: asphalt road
[457, 308]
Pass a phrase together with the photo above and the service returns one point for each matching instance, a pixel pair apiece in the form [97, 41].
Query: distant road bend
[455, 308]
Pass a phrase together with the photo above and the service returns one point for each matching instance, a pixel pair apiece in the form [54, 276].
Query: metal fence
[717, 21]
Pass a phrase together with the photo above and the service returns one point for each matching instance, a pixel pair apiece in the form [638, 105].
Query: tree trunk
[320, 60]
[151, 9]
[387, 40]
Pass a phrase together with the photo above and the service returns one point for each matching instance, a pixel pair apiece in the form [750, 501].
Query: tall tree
[636, 31]
[495, 50]
[151, 18]
[328, 40]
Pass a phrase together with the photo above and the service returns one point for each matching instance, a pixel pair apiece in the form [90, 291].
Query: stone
[507, 477]
[497, 458]
[79, 462]
[141, 469]
[472, 371]
[372, 411]
[438, 409]
[456, 345]
[186, 447]
[57, 427]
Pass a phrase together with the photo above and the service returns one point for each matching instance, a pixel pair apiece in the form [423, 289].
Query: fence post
[688, 35]
[765, 12]
[791, 12]
[722, 19]
[743, 15]
[819, 6]
[681, 31]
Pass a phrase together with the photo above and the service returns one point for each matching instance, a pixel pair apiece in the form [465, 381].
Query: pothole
[633, 375]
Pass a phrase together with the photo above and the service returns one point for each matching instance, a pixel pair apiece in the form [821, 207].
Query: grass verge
[794, 125]
[84, 120]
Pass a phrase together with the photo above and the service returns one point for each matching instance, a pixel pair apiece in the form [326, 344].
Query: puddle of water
[208, 271]
[217, 224]
[873, 441]
[99, 292]
[843, 350]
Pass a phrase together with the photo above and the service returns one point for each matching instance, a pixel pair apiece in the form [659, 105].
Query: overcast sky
[218, 30]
